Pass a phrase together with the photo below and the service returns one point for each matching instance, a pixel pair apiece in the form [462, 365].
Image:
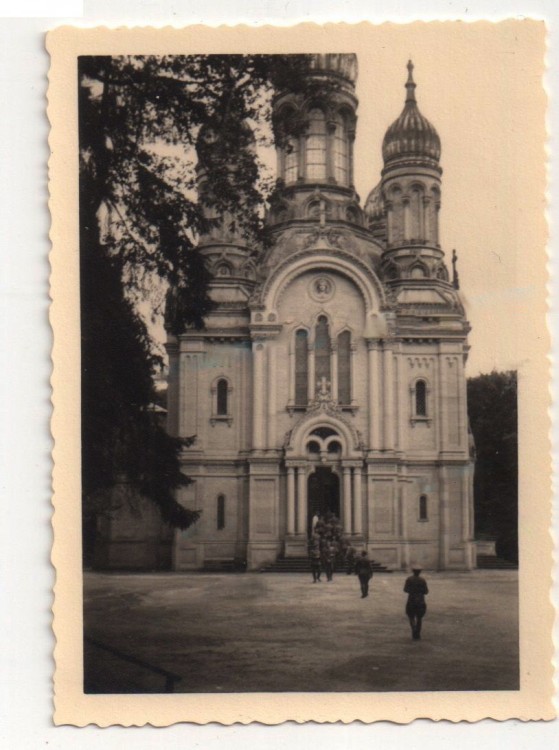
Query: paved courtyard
[266, 633]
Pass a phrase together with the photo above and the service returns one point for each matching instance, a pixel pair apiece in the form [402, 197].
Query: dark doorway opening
[323, 494]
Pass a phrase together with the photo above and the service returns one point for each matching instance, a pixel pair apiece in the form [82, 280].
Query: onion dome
[343, 65]
[411, 135]
[374, 206]
[225, 137]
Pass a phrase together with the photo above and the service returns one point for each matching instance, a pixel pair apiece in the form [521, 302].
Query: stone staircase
[492, 562]
[302, 565]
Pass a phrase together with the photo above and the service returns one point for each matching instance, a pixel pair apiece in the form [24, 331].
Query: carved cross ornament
[324, 393]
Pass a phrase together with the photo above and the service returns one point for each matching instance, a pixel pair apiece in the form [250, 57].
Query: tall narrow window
[420, 399]
[423, 508]
[291, 161]
[322, 350]
[344, 368]
[301, 369]
[340, 151]
[221, 511]
[222, 397]
[316, 145]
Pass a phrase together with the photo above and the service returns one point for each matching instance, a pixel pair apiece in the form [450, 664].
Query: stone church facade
[330, 375]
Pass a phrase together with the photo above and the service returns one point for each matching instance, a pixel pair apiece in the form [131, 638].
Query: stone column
[374, 391]
[465, 500]
[188, 414]
[291, 384]
[329, 143]
[443, 519]
[290, 500]
[427, 219]
[350, 142]
[357, 501]
[389, 222]
[352, 351]
[334, 370]
[258, 395]
[271, 397]
[435, 222]
[388, 398]
[346, 501]
[301, 500]
[311, 385]
[173, 381]
[406, 222]
[348, 526]
[443, 417]
[302, 160]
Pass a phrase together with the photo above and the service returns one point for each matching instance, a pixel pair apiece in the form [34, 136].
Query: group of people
[327, 546]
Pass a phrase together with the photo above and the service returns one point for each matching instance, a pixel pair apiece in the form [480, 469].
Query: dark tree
[492, 409]
[139, 121]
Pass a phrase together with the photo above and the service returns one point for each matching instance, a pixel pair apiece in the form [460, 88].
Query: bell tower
[411, 191]
[315, 131]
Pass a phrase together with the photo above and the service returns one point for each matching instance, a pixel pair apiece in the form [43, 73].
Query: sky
[480, 86]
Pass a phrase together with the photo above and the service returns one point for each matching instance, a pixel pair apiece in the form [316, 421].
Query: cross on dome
[410, 84]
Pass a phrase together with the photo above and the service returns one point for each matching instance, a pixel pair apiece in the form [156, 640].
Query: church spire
[410, 85]
[411, 190]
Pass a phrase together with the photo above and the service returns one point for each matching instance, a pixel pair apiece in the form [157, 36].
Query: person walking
[329, 557]
[315, 564]
[364, 571]
[416, 589]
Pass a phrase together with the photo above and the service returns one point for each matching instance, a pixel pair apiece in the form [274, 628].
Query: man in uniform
[364, 572]
[329, 556]
[315, 564]
[416, 589]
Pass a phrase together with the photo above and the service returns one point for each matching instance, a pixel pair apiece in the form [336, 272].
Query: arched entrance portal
[323, 494]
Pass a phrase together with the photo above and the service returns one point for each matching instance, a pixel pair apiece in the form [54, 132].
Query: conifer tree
[139, 118]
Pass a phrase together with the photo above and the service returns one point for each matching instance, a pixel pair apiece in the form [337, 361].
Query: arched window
[301, 368]
[322, 349]
[340, 151]
[221, 402]
[420, 399]
[423, 508]
[418, 272]
[222, 397]
[344, 368]
[316, 145]
[291, 161]
[221, 511]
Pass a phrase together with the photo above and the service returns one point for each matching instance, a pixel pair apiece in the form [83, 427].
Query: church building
[330, 375]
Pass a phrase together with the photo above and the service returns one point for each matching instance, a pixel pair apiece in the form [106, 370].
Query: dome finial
[410, 84]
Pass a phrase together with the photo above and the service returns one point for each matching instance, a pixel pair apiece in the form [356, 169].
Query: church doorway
[323, 494]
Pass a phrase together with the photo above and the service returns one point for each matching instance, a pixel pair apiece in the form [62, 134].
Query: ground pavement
[266, 633]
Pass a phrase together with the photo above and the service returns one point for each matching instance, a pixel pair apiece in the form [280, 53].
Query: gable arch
[297, 439]
[335, 260]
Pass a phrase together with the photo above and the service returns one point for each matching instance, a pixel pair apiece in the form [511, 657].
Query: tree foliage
[492, 409]
[139, 122]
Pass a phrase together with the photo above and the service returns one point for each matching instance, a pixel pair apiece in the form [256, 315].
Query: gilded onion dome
[343, 65]
[411, 135]
[374, 205]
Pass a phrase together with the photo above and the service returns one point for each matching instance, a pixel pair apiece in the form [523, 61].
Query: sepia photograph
[301, 364]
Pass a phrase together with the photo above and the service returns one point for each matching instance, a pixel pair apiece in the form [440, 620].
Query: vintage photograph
[300, 372]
